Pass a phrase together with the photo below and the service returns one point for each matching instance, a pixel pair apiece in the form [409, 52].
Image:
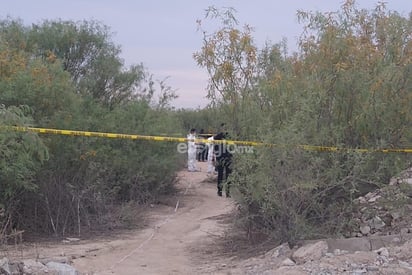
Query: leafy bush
[71, 76]
[21, 156]
[346, 87]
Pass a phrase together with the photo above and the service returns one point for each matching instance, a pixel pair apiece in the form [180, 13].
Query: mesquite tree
[229, 56]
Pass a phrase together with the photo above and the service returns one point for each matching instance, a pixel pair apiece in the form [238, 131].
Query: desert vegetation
[348, 86]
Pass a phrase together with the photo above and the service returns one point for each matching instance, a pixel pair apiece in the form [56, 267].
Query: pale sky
[162, 34]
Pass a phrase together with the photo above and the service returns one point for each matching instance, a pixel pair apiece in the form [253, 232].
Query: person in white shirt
[191, 151]
[210, 156]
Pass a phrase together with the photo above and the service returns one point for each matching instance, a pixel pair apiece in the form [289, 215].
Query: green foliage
[21, 155]
[76, 44]
[91, 58]
[347, 87]
[229, 57]
[71, 76]
[207, 119]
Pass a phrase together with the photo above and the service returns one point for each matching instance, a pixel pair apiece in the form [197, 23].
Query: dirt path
[168, 245]
[185, 237]
[178, 237]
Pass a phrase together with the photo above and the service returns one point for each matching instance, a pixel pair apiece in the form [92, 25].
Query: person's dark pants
[198, 154]
[204, 153]
[223, 171]
[201, 152]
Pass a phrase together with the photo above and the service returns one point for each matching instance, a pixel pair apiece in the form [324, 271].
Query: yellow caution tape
[180, 139]
[93, 134]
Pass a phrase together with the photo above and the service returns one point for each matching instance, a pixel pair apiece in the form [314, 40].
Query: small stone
[383, 251]
[363, 209]
[375, 198]
[280, 250]
[288, 262]
[359, 271]
[405, 264]
[395, 215]
[408, 181]
[31, 266]
[57, 259]
[73, 239]
[62, 268]
[377, 263]
[4, 266]
[376, 223]
[365, 230]
[393, 181]
[310, 252]
[16, 268]
[352, 265]
[338, 252]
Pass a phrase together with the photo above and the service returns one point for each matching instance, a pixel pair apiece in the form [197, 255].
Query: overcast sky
[162, 34]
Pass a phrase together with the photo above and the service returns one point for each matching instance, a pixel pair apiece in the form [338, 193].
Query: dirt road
[172, 242]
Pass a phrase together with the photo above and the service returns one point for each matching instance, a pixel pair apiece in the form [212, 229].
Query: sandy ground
[178, 239]
[167, 246]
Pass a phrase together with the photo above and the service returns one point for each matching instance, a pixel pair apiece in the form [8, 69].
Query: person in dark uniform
[201, 148]
[223, 163]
